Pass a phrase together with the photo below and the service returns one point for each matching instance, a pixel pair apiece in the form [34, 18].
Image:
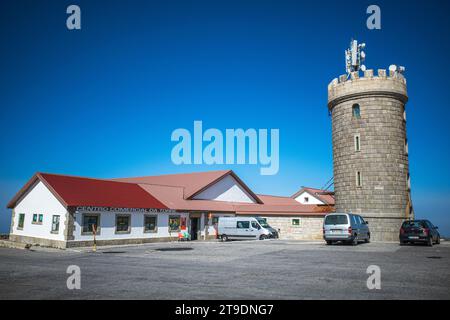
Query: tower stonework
[370, 149]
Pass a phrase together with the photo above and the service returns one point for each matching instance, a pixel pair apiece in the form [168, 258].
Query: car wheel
[224, 238]
[263, 237]
[402, 243]
[355, 241]
[438, 241]
[430, 241]
[367, 240]
[329, 242]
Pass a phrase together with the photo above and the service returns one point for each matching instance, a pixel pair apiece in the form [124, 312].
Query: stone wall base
[116, 242]
[89, 243]
[308, 228]
[37, 241]
[384, 229]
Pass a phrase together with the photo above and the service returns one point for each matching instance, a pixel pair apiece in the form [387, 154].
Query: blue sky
[103, 101]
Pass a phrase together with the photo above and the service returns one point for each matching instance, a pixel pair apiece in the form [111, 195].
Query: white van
[244, 228]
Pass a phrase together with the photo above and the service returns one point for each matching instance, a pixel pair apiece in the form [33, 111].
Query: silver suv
[345, 227]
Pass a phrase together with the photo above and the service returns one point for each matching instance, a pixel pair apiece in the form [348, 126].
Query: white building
[65, 211]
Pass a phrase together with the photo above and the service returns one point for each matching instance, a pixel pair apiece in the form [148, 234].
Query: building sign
[138, 210]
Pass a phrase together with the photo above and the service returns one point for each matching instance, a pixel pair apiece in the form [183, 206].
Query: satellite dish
[393, 68]
[363, 68]
[363, 55]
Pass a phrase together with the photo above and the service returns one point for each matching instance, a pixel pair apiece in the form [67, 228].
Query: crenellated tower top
[392, 84]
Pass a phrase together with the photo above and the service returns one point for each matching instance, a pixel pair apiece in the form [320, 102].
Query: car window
[243, 224]
[414, 224]
[336, 219]
[361, 220]
[255, 225]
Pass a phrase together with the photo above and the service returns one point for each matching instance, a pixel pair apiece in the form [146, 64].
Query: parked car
[346, 227]
[244, 228]
[419, 231]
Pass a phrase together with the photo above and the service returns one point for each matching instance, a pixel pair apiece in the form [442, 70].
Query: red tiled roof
[172, 197]
[163, 192]
[277, 205]
[77, 191]
[192, 183]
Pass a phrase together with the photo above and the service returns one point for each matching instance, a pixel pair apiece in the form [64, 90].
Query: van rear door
[336, 224]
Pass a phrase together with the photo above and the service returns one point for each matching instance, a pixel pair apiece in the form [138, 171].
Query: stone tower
[370, 149]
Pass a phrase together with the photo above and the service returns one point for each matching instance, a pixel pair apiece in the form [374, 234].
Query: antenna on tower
[397, 69]
[355, 56]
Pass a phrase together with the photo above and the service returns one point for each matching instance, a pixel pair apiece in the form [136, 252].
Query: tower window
[357, 143]
[408, 181]
[358, 179]
[406, 146]
[356, 112]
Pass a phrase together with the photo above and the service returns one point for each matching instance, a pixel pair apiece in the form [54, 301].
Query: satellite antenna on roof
[354, 57]
[397, 69]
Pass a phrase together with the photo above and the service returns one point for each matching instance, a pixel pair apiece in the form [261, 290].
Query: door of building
[194, 228]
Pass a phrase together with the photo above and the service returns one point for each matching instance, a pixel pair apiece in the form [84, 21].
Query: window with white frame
[37, 218]
[150, 223]
[123, 223]
[55, 224]
[90, 223]
[21, 221]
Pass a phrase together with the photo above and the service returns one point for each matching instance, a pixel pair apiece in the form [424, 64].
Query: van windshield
[336, 219]
[263, 222]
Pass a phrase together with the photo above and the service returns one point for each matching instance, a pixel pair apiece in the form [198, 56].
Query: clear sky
[103, 101]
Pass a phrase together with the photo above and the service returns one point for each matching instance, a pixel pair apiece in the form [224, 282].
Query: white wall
[39, 200]
[227, 189]
[211, 227]
[312, 199]
[108, 226]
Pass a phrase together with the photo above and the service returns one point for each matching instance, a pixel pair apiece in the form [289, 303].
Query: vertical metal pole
[94, 231]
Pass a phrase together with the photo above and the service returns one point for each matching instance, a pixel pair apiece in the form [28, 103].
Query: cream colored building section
[307, 198]
[39, 200]
[309, 228]
[227, 189]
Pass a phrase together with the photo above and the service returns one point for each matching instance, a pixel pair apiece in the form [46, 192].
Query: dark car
[423, 231]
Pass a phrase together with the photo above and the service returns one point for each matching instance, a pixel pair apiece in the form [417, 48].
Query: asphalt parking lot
[271, 269]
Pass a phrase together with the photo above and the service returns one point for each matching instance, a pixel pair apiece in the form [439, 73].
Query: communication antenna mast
[355, 56]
